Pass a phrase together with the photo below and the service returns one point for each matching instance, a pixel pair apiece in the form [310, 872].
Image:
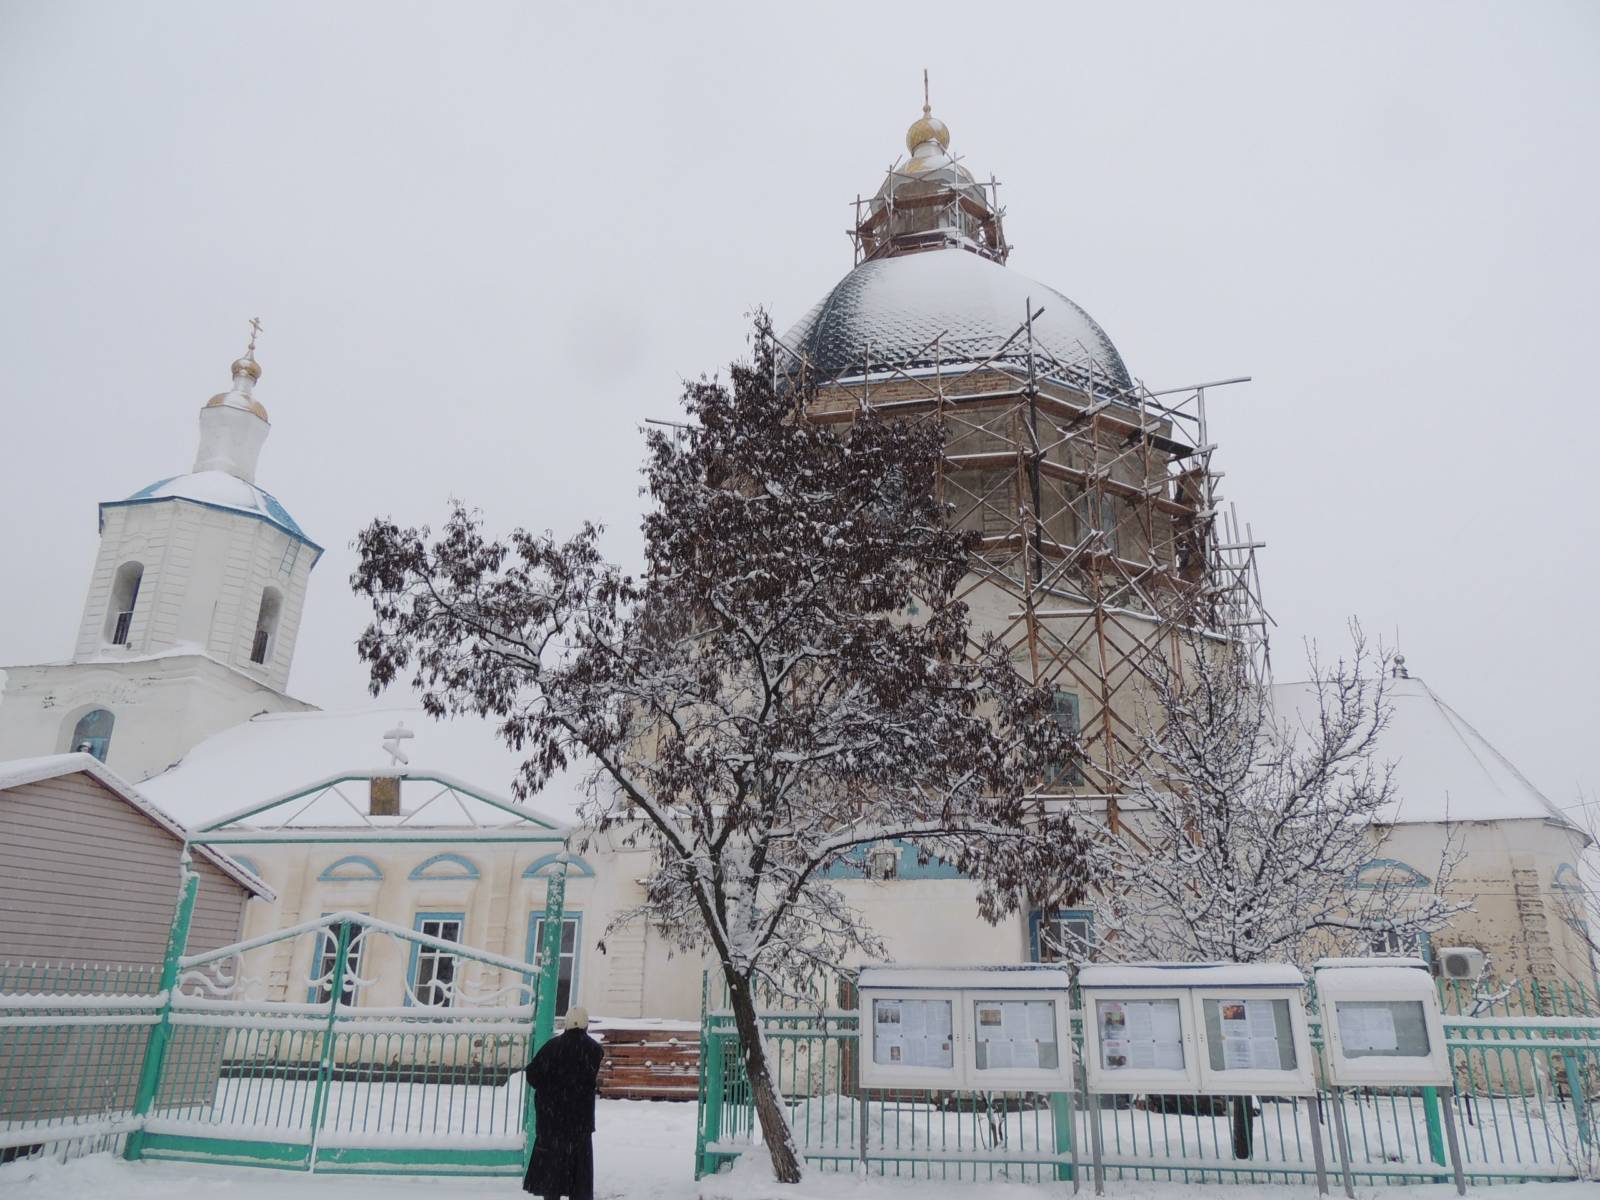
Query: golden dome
[927, 128]
[246, 371]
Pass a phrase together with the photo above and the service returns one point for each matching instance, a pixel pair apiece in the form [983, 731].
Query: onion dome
[233, 424]
[932, 288]
[888, 311]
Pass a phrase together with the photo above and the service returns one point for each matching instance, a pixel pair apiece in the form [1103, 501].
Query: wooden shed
[89, 869]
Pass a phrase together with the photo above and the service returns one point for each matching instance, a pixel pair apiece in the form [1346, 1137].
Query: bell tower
[192, 611]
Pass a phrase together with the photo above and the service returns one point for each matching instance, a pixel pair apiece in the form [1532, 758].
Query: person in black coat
[564, 1076]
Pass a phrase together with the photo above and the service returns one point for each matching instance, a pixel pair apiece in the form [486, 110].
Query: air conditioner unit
[1461, 962]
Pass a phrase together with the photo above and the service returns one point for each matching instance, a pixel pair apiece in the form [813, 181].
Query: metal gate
[203, 1068]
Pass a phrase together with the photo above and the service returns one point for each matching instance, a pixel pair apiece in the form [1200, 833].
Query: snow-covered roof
[218, 489]
[20, 771]
[1444, 769]
[1168, 975]
[1391, 975]
[893, 308]
[1015, 976]
[278, 754]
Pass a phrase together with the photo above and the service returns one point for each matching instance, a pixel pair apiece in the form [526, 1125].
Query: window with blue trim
[326, 958]
[434, 969]
[350, 869]
[1064, 711]
[1390, 873]
[1408, 944]
[445, 866]
[567, 970]
[1064, 935]
[576, 868]
[92, 733]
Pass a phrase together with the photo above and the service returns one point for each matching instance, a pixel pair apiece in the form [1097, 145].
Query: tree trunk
[1239, 1119]
[775, 1129]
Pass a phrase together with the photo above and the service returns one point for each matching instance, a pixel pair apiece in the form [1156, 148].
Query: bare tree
[1250, 826]
[785, 682]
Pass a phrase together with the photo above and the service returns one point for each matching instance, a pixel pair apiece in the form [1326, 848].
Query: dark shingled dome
[892, 308]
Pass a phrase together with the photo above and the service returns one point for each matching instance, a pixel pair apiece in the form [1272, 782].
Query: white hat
[577, 1018]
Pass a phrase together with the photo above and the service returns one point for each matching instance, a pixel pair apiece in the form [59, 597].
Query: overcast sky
[487, 240]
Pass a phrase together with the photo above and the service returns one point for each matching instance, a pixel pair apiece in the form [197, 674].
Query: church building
[1097, 507]
[191, 613]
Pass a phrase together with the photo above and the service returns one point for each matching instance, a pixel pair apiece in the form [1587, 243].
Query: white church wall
[1507, 870]
[919, 920]
[162, 706]
[205, 570]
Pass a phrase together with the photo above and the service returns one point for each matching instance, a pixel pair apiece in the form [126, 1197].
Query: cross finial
[255, 329]
[927, 105]
[391, 744]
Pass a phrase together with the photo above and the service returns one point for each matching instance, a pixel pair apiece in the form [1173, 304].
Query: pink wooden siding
[85, 877]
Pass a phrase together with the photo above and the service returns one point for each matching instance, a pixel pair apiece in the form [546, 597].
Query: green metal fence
[185, 1063]
[1527, 1103]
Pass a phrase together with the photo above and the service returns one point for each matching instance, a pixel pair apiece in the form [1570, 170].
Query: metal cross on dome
[391, 744]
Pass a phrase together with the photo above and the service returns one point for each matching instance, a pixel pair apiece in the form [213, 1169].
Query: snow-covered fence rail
[1526, 1100]
[69, 1063]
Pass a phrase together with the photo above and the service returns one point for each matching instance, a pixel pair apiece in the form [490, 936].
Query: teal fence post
[713, 1091]
[1061, 1114]
[155, 1050]
[1579, 1104]
[319, 1099]
[1430, 1111]
[544, 1004]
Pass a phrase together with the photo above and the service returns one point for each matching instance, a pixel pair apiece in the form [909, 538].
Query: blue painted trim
[329, 875]
[1036, 921]
[249, 864]
[1566, 879]
[292, 529]
[316, 960]
[853, 865]
[1405, 875]
[416, 948]
[423, 871]
[576, 867]
[576, 918]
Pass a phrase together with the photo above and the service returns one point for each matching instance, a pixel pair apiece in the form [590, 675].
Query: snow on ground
[643, 1151]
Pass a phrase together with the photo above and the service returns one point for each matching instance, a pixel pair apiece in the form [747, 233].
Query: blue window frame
[571, 940]
[350, 868]
[1062, 935]
[576, 868]
[320, 989]
[1392, 941]
[92, 733]
[433, 971]
[445, 866]
[1389, 873]
[1064, 710]
[884, 861]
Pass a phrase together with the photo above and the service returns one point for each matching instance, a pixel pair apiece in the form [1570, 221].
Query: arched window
[92, 733]
[1383, 874]
[266, 624]
[445, 866]
[124, 595]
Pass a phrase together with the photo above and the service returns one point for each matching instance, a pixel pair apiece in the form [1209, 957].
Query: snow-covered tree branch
[1251, 827]
[789, 680]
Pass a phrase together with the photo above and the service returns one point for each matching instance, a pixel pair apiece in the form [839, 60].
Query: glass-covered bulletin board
[1222, 1029]
[966, 1028]
[1382, 1026]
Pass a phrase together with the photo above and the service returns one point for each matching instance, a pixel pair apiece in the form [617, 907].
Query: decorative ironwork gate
[204, 1068]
